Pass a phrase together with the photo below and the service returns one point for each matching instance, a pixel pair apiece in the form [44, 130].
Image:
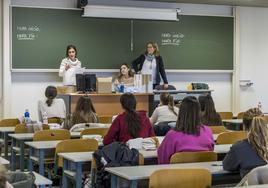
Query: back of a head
[167, 99]
[249, 115]
[209, 115]
[50, 93]
[128, 102]
[84, 104]
[189, 116]
[257, 137]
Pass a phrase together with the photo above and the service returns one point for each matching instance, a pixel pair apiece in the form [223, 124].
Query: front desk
[108, 104]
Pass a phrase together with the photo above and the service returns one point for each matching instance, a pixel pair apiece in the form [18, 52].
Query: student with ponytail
[130, 124]
[166, 111]
[51, 105]
[251, 152]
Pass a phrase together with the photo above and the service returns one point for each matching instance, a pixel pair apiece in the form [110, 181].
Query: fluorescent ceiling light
[100, 11]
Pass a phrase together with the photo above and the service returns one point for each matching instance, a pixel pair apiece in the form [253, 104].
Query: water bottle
[45, 118]
[27, 117]
[121, 88]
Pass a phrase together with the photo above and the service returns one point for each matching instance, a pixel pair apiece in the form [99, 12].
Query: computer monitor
[86, 82]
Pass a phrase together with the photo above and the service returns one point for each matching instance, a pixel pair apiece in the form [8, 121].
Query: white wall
[28, 88]
[254, 56]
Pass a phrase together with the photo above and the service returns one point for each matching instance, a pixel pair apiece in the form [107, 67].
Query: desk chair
[257, 176]
[180, 178]
[49, 135]
[9, 122]
[190, 157]
[226, 115]
[55, 120]
[105, 119]
[218, 129]
[74, 145]
[231, 137]
[240, 115]
[99, 131]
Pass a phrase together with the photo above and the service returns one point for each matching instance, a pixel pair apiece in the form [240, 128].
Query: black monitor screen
[86, 82]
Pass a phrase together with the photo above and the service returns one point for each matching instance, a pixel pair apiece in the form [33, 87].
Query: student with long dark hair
[52, 106]
[251, 152]
[130, 124]
[84, 113]
[166, 111]
[189, 135]
[209, 116]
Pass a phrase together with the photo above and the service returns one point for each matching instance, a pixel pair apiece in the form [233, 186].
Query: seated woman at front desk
[125, 77]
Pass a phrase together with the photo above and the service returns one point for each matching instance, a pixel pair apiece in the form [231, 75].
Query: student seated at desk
[130, 124]
[84, 113]
[166, 111]
[52, 106]
[251, 152]
[189, 133]
[125, 76]
[209, 116]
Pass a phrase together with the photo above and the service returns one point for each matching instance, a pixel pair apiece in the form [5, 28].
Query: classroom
[134, 62]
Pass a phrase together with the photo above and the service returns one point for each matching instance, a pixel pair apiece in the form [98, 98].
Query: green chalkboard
[40, 37]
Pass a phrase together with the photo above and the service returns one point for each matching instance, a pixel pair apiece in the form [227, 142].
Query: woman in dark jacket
[251, 152]
[151, 63]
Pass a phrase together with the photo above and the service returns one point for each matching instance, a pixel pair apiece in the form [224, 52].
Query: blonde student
[69, 66]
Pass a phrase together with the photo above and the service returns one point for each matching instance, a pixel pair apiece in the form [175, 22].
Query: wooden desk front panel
[110, 104]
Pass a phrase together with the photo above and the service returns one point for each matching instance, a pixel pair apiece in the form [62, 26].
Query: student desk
[4, 161]
[4, 135]
[20, 139]
[41, 181]
[108, 104]
[135, 173]
[78, 158]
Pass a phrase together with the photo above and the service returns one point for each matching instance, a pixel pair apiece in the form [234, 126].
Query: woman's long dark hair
[50, 93]
[130, 73]
[209, 116]
[84, 108]
[167, 99]
[189, 116]
[128, 103]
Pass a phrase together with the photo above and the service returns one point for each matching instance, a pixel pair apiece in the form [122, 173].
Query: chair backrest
[161, 87]
[20, 128]
[190, 157]
[99, 131]
[218, 129]
[75, 145]
[105, 119]
[184, 178]
[240, 115]
[46, 135]
[9, 122]
[226, 115]
[231, 137]
[55, 120]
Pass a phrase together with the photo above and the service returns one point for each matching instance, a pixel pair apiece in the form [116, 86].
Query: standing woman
[151, 63]
[69, 65]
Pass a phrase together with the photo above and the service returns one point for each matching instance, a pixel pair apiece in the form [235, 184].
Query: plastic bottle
[259, 106]
[45, 118]
[121, 88]
[27, 117]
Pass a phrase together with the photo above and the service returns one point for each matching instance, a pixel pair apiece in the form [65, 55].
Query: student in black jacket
[151, 63]
[251, 152]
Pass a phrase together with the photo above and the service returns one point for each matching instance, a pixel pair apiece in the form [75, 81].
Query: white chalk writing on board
[27, 32]
[171, 38]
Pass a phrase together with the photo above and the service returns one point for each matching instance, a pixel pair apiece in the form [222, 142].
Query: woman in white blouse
[52, 106]
[166, 111]
[69, 66]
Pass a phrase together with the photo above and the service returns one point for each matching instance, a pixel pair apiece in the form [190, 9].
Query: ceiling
[251, 3]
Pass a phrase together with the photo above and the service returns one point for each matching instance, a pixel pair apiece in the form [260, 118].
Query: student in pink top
[189, 133]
